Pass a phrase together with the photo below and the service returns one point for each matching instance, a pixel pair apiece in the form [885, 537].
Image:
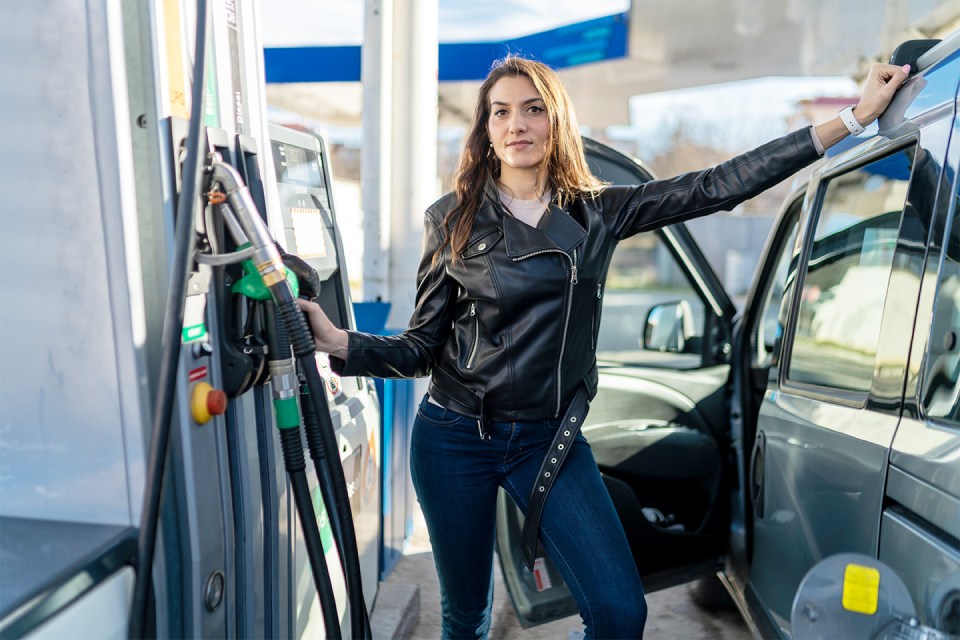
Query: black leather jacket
[510, 332]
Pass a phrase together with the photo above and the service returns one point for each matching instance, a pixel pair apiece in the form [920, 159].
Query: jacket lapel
[557, 230]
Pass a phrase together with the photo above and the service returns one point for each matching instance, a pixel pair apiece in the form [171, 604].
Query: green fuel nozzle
[252, 286]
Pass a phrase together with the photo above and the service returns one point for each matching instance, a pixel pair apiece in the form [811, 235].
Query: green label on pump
[211, 116]
[194, 332]
[323, 521]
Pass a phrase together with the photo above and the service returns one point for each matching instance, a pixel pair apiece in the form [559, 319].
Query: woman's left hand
[881, 84]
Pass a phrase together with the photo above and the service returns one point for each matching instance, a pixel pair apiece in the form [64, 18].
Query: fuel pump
[278, 283]
[268, 280]
[307, 211]
[283, 384]
[274, 287]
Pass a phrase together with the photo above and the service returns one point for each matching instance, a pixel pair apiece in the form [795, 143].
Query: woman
[509, 285]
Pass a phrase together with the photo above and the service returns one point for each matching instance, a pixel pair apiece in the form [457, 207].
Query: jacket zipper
[593, 321]
[476, 335]
[566, 311]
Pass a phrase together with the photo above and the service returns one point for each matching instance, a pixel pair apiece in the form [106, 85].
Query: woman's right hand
[327, 338]
[883, 81]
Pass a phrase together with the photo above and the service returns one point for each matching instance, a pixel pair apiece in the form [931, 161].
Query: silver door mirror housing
[668, 327]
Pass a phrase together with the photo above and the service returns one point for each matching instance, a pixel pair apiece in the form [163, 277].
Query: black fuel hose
[305, 353]
[318, 454]
[294, 462]
[284, 386]
[181, 262]
[272, 272]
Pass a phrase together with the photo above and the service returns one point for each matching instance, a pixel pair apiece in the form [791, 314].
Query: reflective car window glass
[845, 285]
[768, 326]
[644, 273]
[941, 390]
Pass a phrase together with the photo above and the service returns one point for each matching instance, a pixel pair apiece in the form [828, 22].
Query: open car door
[659, 425]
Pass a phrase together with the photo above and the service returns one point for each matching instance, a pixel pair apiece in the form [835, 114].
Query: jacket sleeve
[658, 203]
[414, 352]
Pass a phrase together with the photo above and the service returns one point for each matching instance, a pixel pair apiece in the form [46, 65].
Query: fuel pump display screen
[305, 199]
[296, 165]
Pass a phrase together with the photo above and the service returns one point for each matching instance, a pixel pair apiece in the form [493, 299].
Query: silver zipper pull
[473, 308]
[573, 274]
[599, 288]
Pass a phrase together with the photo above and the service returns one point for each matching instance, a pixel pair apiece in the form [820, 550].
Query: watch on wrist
[850, 121]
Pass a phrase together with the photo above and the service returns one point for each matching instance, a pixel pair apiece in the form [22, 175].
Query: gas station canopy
[560, 33]
[602, 38]
[607, 50]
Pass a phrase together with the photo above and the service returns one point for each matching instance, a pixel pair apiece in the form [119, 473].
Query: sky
[340, 22]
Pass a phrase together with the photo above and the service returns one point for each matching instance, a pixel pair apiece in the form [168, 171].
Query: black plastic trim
[910, 51]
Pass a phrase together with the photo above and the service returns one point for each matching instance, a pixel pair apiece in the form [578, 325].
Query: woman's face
[519, 126]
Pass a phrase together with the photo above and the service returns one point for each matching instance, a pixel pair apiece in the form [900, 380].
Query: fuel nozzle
[307, 276]
[265, 258]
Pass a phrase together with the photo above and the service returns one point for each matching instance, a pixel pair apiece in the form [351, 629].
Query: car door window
[769, 328]
[837, 325]
[941, 391]
[643, 273]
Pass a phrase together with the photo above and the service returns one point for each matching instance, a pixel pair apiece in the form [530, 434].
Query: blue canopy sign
[594, 40]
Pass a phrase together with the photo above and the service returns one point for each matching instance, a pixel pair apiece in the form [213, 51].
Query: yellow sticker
[861, 589]
[176, 77]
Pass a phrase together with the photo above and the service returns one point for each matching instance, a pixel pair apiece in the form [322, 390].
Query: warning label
[541, 574]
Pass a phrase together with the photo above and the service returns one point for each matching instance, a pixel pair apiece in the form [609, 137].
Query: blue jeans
[456, 476]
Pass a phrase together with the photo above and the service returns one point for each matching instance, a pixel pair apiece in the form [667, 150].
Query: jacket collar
[556, 230]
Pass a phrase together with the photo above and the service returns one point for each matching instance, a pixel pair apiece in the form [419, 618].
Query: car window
[845, 284]
[644, 273]
[941, 390]
[769, 328]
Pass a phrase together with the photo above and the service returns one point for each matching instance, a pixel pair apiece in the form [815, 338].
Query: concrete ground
[672, 614]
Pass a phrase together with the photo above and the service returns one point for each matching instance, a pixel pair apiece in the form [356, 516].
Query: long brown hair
[564, 163]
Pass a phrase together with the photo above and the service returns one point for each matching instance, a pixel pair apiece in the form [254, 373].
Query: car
[818, 428]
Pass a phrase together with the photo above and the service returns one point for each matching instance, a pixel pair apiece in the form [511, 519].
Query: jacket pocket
[475, 326]
[482, 244]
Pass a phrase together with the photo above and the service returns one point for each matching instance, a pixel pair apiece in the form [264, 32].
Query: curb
[397, 611]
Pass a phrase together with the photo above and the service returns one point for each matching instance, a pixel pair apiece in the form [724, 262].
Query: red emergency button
[206, 402]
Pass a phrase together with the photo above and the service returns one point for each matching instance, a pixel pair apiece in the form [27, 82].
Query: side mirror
[668, 327]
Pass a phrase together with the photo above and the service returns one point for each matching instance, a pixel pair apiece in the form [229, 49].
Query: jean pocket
[437, 415]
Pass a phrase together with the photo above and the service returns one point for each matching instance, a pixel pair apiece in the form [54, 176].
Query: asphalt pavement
[672, 613]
